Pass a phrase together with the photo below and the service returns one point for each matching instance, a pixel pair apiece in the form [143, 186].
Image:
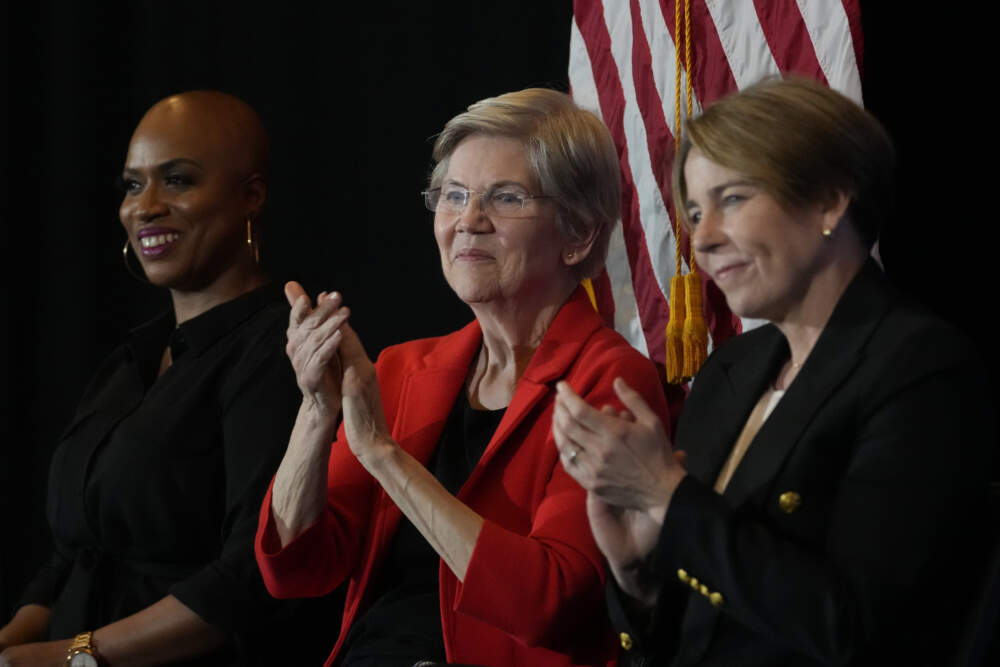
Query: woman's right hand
[313, 340]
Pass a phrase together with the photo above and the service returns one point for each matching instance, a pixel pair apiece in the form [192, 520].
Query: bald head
[220, 123]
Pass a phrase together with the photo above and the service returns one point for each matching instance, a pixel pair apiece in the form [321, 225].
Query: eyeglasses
[502, 201]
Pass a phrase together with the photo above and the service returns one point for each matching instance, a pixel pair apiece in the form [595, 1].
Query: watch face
[83, 660]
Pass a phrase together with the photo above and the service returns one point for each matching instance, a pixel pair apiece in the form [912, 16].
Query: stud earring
[827, 233]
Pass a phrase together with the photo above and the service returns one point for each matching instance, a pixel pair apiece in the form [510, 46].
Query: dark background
[351, 104]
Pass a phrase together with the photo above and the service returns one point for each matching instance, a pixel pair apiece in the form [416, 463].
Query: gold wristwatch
[82, 652]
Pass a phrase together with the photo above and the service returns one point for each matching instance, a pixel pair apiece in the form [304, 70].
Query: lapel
[838, 351]
[573, 325]
[746, 366]
[431, 388]
[427, 396]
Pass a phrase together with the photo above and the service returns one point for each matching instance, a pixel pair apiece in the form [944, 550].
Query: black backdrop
[350, 101]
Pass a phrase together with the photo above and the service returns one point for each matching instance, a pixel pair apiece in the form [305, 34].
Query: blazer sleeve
[44, 587]
[259, 407]
[325, 554]
[921, 445]
[557, 566]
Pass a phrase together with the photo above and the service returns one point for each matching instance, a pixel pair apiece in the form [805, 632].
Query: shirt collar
[198, 333]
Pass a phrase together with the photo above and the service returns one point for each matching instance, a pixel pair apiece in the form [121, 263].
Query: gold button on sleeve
[789, 501]
[703, 589]
[716, 599]
[694, 582]
[683, 576]
[626, 641]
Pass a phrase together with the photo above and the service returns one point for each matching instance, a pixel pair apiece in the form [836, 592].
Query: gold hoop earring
[252, 242]
[140, 275]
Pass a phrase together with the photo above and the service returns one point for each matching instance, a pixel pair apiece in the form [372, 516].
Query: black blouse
[402, 623]
[157, 482]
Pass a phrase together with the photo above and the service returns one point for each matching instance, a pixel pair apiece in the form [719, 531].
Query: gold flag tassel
[695, 329]
[675, 331]
[687, 335]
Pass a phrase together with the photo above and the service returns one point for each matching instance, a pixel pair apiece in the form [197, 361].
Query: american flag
[622, 67]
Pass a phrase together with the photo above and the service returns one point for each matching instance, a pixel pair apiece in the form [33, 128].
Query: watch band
[82, 643]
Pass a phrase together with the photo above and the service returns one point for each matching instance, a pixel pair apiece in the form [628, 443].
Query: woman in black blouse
[154, 488]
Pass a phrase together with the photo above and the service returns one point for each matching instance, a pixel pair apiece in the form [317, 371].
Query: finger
[575, 433]
[563, 442]
[626, 416]
[326, 322]
[569, 452]
[301, 308]
[326, 354]
[680, 456]
[327, 326]
[570, 458]
[321, 335]
[634, 401]
[579, 409]
[293, 291]
[324, 296]
[321, 313]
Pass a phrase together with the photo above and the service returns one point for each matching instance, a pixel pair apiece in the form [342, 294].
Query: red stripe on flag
[712, 76]
[853, 10]
[659, 137]
[652, 305]
[789, 40]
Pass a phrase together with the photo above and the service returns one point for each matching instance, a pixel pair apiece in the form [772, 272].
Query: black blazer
[849, 532]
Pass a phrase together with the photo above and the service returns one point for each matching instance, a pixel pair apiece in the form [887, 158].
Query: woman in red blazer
[442, 501]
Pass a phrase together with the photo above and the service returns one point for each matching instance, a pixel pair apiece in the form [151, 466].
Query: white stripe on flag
[581, 74]
[652, 212]
[831, 36]
[662, 55]
[627, 322]
[743, 40]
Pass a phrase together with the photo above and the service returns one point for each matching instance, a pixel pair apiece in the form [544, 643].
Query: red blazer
[533, 592]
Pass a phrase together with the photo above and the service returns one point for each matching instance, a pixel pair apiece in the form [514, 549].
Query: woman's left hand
[625, 460]
[364, 418]
[38, 654]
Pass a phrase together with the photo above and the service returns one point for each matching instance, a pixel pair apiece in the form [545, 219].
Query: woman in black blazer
[829, 506]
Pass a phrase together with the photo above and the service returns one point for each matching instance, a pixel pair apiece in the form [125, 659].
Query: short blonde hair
[571, 154]
[803, 143]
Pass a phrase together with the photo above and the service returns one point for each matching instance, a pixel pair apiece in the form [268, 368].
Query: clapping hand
[314, 337]
[364, 419]
[626, 463]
